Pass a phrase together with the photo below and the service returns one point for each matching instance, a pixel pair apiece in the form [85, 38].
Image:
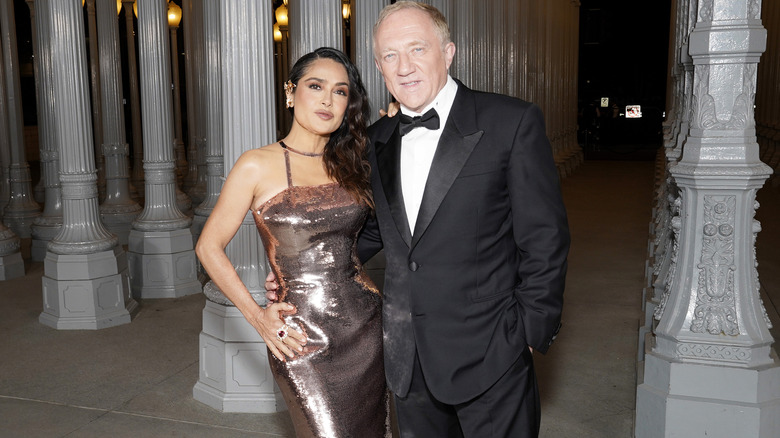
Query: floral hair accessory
[288, 89]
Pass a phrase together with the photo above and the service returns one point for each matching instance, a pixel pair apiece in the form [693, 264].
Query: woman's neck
[306, 141]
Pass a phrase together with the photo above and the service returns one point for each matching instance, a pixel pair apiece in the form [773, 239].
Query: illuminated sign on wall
[633, 111]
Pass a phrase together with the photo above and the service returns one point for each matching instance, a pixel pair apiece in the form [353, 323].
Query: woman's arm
[234, 201]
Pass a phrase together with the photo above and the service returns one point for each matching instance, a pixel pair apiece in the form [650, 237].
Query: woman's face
[321, 96]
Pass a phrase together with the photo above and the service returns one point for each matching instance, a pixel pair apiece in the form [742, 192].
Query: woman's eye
[314, 86]
[341, 92]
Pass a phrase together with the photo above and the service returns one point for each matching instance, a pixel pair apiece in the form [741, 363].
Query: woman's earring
[288, 90]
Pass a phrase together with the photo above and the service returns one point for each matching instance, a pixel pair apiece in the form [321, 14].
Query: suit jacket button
[413, 266]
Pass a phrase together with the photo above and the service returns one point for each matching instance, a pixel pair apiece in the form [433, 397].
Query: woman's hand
[271, 285]
[280, 338]
[392, 110]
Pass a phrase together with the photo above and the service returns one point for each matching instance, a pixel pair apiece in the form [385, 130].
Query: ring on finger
[282, 333]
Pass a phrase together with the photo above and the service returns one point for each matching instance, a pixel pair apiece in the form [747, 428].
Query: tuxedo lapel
[388, 157]
[458, 139]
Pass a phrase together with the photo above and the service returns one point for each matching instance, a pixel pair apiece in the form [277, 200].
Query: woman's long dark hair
[345, 153]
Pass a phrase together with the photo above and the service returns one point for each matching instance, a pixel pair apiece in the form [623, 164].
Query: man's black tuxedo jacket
[482, 277]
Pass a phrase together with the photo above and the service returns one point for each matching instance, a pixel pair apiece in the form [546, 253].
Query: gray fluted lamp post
[85, 271]
[22, 208]
[118, 209]
[182, 200]
[94, 80]
[137, 175]
[174, 18]
[161, 253]
[48, 224]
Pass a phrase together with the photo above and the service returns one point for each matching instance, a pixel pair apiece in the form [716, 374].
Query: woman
[309, 195]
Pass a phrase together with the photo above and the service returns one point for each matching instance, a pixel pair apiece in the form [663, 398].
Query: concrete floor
[136, 380]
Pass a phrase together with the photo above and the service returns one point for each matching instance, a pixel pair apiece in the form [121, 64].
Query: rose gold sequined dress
[337, 387]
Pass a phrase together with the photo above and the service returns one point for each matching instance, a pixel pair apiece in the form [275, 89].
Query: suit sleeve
[370, 240]
[540, 229]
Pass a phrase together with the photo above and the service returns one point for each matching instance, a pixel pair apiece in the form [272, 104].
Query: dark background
[624, 51]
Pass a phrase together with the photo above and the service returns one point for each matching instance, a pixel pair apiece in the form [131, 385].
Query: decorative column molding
[364, 17]
[137, 175]
[313, 25]
[244, 72]
[46, 226]
[161, 254]
[712, 326]
[85, 271]
[21, 209]
[118, 210]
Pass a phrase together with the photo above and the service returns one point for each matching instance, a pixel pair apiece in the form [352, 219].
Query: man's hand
[270, 287]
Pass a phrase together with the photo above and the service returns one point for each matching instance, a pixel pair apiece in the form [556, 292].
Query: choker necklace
[305, 154]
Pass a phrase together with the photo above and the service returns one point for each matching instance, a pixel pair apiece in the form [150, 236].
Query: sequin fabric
[336, 388]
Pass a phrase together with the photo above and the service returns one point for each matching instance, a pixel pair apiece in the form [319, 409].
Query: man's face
[410, 56]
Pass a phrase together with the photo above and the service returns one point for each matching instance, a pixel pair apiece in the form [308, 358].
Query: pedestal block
[234, 372]
[11, 266]
[162, 264]
[697, 400]
[86, 292]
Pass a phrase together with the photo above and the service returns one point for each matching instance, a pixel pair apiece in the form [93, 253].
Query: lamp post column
[85, 271]
[48, 224]
[161, 252]
[137, 175]
[212, 109]
[364, 17]
[118, 210]
[21, 209]
[245, 115]
[190, 18]
[11, 264]
[94, 79]
[181, 158]
[711, 361]
[313, 25]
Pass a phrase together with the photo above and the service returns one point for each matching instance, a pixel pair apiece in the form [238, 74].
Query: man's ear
[449, 53]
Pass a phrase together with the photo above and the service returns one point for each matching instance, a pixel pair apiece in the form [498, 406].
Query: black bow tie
[428, 120]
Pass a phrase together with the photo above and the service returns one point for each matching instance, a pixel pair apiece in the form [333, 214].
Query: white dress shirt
[418, 148]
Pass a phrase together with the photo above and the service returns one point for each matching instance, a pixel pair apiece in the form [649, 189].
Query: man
[470, 217]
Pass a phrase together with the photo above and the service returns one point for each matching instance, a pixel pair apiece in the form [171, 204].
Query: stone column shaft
[191, 88]
[22, 208]
[94, 80]
[11, 264]
[137, 176]
[118, 210]
[212, 93]
[48, 224]
[313, 25]
[364, 15]
[242, 68]
[85, 271]
[162, 258]
[181, 159]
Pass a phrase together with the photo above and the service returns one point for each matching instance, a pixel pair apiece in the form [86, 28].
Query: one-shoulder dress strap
[287, 165]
